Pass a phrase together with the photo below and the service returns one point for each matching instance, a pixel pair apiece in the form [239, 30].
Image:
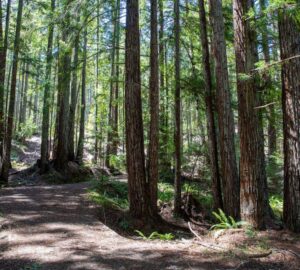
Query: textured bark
[289, 32]
[252, 170]
[154, 112]
[47, 97]
[211, 126]
[71, 143]
[83, 102]
[138, 196]
[177, 134]
[230, 178]
[64, 67]
[3, 51]
[11, 110]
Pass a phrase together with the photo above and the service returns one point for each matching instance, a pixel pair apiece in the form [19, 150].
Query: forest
[156, 134]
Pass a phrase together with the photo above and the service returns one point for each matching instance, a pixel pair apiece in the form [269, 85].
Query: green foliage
[156, 235]
[26, 130]
[226, 222]
[276, 203]
[165, 192]
[118, 161]
[109, 193]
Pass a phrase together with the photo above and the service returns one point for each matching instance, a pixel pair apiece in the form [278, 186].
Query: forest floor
[57, 227]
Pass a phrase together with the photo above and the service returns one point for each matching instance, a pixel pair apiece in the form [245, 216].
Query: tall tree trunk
[96, 147]
[47, 97]
[164, 161]
[115, 108]
[211, 126]
[135, 156]
[72, 113]
[3, 51]
[154, 112]
[252, 168]
[23, 102]
[289, 32]
[11, 110]
[230, 177]
[79, 156]
[63, 93]
[177, 134]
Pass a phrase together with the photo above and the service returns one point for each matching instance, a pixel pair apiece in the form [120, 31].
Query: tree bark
[230, 178]
[3, 52]
[64, 73]
[154, 112]
[80, 147]
[211, 126]
[251, 162]
[71, 143]
[177, 134]
[11, 110]
[47, 97]
[289, 35]
[135, 156]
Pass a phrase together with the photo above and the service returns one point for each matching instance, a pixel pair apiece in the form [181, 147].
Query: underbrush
[109, 193]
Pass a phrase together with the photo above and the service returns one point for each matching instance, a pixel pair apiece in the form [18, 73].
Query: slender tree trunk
[154, 112]
[289, 33]
[79, 156]
[11, 110]
[252, 168]
[23, 102]
[211, 126]
[135, 156]
[230, 178]
[72, 113]
[115, 107]
[96, 148]
[177, 134]
[47, 97]
[3, 52]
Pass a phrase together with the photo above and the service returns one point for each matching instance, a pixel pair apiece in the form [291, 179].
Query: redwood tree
[11, 109]
[154, 111]
[135, 156]
[251, 161]
[211, 126]
[289, 31]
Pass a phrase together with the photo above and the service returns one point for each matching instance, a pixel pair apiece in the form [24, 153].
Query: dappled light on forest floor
[56, 227]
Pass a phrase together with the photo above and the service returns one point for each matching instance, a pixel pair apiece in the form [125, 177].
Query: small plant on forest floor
[226, 222]
[34, 266]
[156, 236]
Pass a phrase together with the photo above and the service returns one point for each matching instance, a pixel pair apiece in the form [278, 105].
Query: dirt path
[55, 227]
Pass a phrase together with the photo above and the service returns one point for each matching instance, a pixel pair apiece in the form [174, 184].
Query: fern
[226, 222]
[156, 235]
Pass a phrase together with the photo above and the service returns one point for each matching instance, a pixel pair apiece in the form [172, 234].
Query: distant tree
[177, 134]
[154, 112]
[211, 126]
[47, 95]
[83, 101]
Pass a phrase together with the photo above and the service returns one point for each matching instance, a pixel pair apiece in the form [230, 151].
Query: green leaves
[156, 236]
[226, 222]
